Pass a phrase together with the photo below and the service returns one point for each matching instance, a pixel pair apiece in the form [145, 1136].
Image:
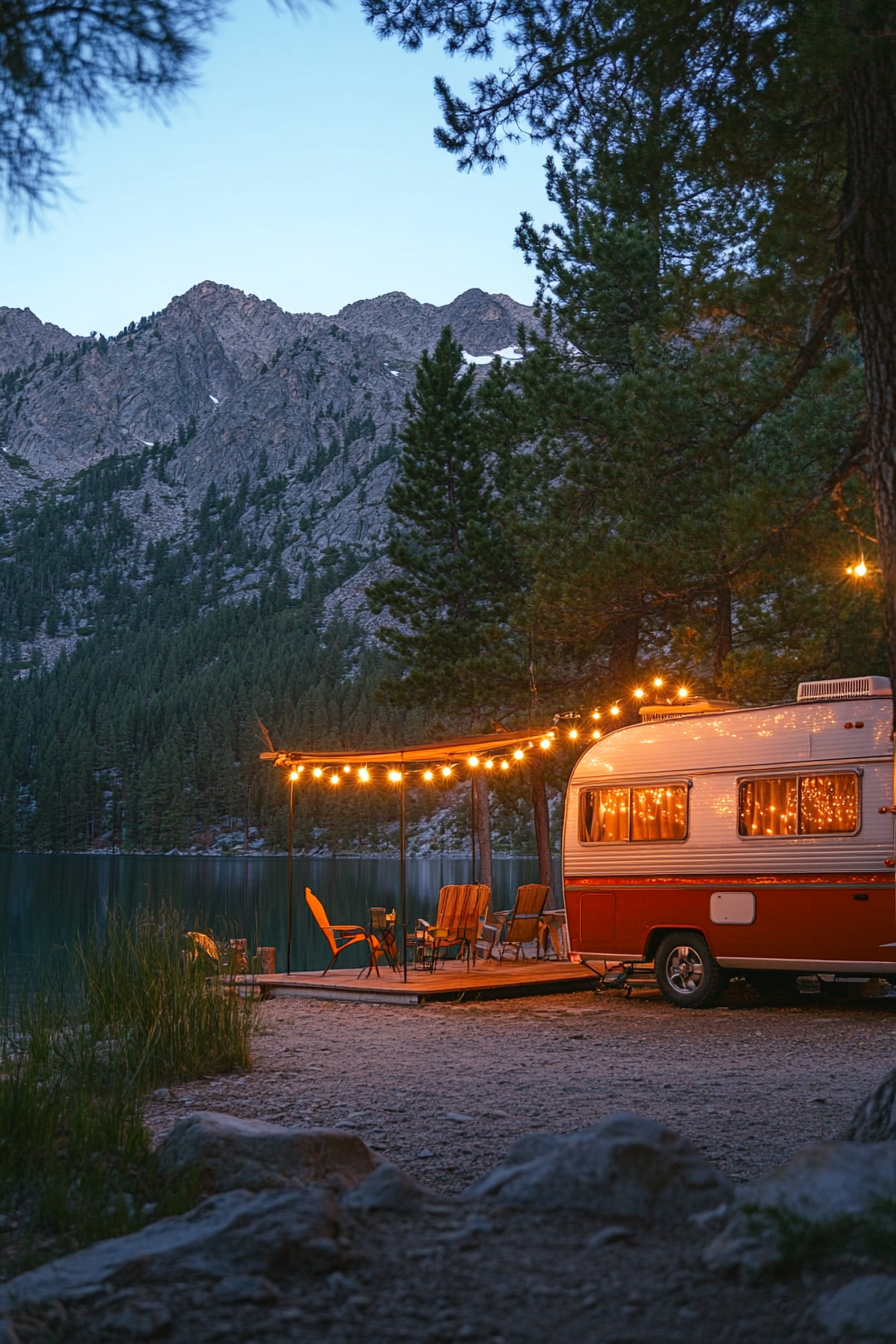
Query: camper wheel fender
[656, 936]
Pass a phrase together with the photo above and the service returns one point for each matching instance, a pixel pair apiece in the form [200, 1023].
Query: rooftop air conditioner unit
[845, 688]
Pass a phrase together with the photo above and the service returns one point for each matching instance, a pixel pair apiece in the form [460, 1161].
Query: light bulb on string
[505, 765]
[518, 755]
[596, 733]
[394, 777]
[489, 765]
[683, 692]
[334, 779]
[657, 682]
[317, 772]
[346, 769]
[573, 734]
[615, 710]
[293, 774]
[545, 743]
[639, 694]
[595, 713]
[427, 775]
[473, 760]
[364, 774]
[446, 771]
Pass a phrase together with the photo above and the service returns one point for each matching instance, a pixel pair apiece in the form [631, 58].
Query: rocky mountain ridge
[222, 396]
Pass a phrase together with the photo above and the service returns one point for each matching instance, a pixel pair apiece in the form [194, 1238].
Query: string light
[427, 775]
[293, 774]
[595, 713]
[317, 772]
[596, 733]
[573, 733]
[505, 765]
[346, 769]
[473, 760]
[489, 765]
[860, 570]
[614, 710]
[545, 743]
[446, 771]
[639, 694]
[657, 681]
[683, 692]
[364, 775]
[334, 779]
[394, 777]
[517, 755]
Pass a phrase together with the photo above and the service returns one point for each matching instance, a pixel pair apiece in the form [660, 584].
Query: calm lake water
[46, 900]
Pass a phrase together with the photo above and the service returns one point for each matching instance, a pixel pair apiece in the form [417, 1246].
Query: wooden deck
[487, 980]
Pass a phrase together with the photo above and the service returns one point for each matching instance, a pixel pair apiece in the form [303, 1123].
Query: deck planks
[485, 981]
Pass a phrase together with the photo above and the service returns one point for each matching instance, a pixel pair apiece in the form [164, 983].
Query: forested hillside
[190, 514]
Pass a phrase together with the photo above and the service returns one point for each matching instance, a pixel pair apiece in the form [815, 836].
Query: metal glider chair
[520, 925]
[342, 936]
[460, 914]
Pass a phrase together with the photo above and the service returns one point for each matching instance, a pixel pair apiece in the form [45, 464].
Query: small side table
[552, 932]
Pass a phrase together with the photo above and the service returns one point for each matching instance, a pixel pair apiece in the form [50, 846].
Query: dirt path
[442, 1090]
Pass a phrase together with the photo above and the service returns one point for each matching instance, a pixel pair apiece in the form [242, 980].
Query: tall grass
[126, 1011]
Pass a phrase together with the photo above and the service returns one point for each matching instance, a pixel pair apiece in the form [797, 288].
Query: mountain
[204, 490]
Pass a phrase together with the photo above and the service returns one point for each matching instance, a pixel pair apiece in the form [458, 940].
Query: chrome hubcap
[684, 970]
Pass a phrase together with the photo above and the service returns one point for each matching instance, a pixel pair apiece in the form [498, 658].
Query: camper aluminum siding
[801, 902]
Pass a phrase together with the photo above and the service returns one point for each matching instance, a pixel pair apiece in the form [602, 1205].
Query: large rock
[625, 1167]
[234, 1154]
[388, 1189]
[874, 1120]
[270, 1233]
[822, 1184]
[866, 1307]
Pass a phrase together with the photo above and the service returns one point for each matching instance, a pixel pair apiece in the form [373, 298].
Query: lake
[46, 900]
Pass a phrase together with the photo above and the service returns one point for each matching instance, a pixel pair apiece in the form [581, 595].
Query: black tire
[686, 971]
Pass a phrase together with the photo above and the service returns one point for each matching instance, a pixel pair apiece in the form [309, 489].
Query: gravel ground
[442, 1090]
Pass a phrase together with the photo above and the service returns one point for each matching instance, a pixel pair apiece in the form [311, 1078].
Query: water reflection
[46, 900]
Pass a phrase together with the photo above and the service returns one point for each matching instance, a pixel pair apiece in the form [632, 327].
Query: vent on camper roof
[846, 688]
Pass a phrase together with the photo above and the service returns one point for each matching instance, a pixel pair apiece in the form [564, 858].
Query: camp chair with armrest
[522, 924]
[342, 936]
[461, 911]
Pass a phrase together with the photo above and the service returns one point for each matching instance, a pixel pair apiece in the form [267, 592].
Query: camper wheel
[686, 971]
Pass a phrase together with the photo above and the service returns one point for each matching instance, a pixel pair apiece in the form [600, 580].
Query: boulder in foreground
[627, 1166]
[865, 1308]
[822, 1184]
[271, 1233]
[234, 1154]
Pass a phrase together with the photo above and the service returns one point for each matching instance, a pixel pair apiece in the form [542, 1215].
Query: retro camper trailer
[738, 840]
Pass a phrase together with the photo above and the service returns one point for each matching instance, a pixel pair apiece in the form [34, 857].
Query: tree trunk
[541, 819]
[623, 667]
[722, 633]
[483, 829]
[869, 212]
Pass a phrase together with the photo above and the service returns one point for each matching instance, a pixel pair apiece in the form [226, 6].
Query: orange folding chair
[342, 936]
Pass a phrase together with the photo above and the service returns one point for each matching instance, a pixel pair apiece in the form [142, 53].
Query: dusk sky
[301, 168]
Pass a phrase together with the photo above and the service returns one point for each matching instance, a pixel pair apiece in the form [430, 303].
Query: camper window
[799, 805]
[648, 812]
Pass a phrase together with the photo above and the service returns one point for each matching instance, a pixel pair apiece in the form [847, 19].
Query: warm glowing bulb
[517, 755]
[395, 777]
[472, 760]
[595, 713]
[293, 774]
[545, 743]
[639, 694]
[446, 771]
[573, 734]
[427, 775]
[657, 681]
[489, 765]
[317, 772]
[346, 769]
[860, 570]
[596, 733]
[504, 765]
[364, 774]
[683, 691]
[614, 710]
[334, 779]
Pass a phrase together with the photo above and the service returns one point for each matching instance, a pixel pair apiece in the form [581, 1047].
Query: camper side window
[650, 812]
[799, 805]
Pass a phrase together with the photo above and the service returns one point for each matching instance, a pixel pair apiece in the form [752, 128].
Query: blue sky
[301, 168]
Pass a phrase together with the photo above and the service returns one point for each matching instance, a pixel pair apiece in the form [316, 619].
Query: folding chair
[520, 925]
[342, 936]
